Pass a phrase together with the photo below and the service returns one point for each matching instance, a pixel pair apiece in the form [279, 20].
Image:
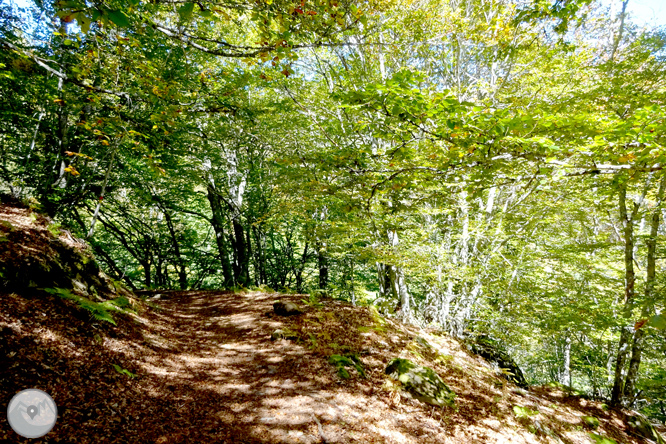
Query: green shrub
[340, 362]
[98, 310]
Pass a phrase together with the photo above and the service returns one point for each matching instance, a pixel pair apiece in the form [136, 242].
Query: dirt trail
[225, 379]
[207, 372]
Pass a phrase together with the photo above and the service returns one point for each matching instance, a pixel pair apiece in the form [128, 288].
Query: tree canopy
[485, 167]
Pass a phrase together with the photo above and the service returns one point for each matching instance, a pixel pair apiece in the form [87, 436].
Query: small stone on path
[286, 308]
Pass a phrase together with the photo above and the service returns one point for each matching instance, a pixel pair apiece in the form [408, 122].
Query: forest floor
[201, 367]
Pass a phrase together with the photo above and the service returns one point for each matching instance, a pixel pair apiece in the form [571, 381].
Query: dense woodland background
[481, 166]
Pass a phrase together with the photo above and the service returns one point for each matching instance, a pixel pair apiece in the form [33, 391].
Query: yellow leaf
[104, 142]
[71, 170]
[626, 158]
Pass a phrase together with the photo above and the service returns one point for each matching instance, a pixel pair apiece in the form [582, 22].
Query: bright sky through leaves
[648, 11]
[643, 11]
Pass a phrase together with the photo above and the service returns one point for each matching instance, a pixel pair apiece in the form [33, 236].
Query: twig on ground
[320, 428]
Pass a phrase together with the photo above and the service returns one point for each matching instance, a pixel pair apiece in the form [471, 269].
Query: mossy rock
[286, 308]
[591, 422]
[422, 383]
[284, 334]
[493, 352]
[642, 427]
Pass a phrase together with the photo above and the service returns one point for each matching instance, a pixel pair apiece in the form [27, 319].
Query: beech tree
[482, 167]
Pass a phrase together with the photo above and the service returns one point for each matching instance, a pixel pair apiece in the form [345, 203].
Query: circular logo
[32, 413]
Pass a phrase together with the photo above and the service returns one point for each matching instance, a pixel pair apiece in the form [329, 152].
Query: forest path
[200, 367]
[216, 376]
[225, 378]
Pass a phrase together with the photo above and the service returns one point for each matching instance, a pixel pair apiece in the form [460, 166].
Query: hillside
[201, 366]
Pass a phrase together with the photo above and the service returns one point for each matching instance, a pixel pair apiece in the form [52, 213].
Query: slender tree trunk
[160, 281]
[298, 273]
[322, 263]
[248, 243]
[620, 32]
[242, 269]
[63, 117]
[18, 191]
[629, 290]
[383, 280]
[609, 362]
[638, 340]
[260, 255]
[351, 273]
[147, 278]
[182, 271]
[566, 364]
[218, 222]
[397, 284]
[103, 192]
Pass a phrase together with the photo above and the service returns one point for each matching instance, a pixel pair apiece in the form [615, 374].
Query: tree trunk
[392, 284]
[322, 263]
[620, 32]
[629, 291]
[180, 261]
[400, 292]
[248, 243]
[218, 222]
[351, 273]
[566, 364]
[102, 193]
[63, 117]
[298, 272]
[260, 256]
[638, 340]
[397, 284]
[241, 268]
[146, 274]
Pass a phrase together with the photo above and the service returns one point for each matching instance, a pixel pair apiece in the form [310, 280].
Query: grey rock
[642, 427]
[422, 383]
[425, 344]
[79, 287]
[283, 334]
[493, 352]
[286, 308]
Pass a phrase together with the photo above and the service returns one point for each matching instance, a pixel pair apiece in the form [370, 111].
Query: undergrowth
[340, 362]
[101, 311]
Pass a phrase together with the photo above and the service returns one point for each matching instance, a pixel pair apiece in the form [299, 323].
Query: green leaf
[119, 18]
[85, 25]
[598, 439]
[123, 371]
[524, 412]
[658, 322]
[186, 11]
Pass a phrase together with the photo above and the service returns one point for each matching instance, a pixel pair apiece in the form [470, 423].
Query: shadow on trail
[212, 356]
[207, 372]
